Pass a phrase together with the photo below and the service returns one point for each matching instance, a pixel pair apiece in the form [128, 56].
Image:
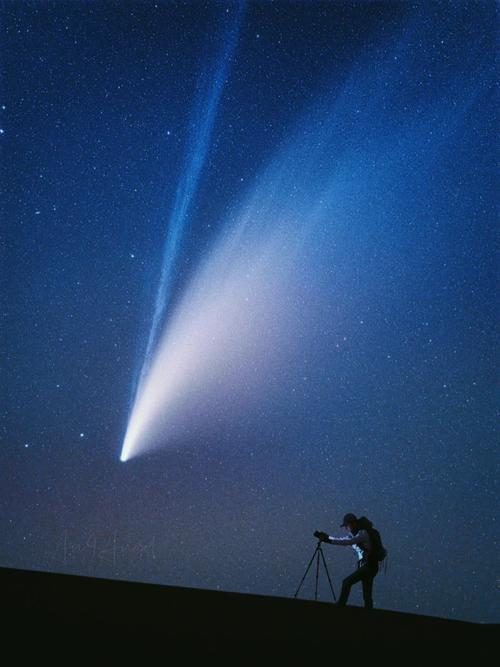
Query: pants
[365, 573]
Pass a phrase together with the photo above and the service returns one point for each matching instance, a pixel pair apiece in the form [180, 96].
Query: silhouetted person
[366, 542]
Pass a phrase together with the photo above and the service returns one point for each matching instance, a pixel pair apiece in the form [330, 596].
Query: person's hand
[321, 535]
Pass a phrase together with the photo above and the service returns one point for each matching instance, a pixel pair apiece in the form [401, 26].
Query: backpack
[379, 552]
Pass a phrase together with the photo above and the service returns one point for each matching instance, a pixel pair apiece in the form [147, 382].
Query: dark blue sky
[327, 344]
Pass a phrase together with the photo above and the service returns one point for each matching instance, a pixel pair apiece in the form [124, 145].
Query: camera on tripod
[320, 558]
[321, 536]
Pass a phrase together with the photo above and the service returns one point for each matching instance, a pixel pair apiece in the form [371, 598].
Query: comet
[277, 286]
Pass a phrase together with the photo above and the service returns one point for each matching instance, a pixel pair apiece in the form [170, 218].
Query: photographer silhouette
[365, 540]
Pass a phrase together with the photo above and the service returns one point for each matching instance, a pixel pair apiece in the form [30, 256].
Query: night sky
[248, 286]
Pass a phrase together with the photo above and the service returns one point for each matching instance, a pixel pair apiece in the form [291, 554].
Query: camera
[321, 535]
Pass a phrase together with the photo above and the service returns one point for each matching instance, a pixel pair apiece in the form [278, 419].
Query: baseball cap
[349, 518]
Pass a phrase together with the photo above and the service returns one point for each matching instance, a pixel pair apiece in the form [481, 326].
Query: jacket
[360, 542]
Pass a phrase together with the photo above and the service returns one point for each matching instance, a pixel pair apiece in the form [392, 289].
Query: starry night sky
[328, 314]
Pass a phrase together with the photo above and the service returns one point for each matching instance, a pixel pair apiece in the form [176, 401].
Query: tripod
[318, 553]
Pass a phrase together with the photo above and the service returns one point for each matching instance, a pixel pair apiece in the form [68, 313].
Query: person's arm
[347, 541]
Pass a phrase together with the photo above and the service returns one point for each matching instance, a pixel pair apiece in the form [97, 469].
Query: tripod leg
[317, 573]
[307, 570]
[327, 573]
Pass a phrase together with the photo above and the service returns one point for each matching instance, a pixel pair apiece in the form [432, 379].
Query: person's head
[349, 522]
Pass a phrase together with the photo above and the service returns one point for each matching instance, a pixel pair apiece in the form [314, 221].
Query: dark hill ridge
[47, 600]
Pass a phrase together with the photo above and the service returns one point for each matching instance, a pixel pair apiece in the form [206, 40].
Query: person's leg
[369, 574]
[367, 592]
[346, 586]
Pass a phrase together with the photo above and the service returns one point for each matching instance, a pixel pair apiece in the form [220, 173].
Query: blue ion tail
[202, 123]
